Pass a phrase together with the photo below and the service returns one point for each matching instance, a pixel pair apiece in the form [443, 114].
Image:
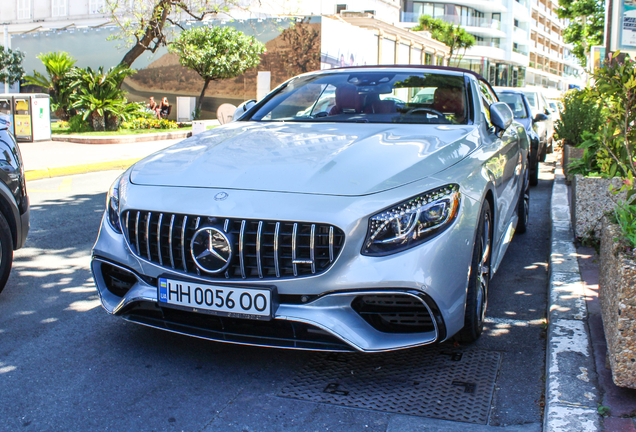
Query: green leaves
[11, 70]
[454, 36]
[586, 25]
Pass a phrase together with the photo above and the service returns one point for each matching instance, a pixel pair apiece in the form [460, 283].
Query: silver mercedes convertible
[357, 209]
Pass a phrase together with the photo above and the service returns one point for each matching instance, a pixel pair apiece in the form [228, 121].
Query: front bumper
[435, 273]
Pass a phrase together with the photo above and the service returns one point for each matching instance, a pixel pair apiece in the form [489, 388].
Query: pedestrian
[163, 111]
[152, 105]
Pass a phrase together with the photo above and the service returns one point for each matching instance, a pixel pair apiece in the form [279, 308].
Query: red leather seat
[348, 100]
[449, 100]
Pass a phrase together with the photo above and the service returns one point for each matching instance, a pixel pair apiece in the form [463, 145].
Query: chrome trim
[226, 224]
[170, 241]
[294, 235]
[330, 244]
[196, 227]
[127, 223]
[276, 233]
[242, 233]
[137, 233]
[194, 258]
[148, 219]
[183, 256]
[312, 239]
[258, 249]
[159, 238]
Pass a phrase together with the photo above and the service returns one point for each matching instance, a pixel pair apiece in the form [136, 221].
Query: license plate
[235, 302]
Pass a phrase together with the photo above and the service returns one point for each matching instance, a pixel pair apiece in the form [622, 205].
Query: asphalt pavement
[517, 319]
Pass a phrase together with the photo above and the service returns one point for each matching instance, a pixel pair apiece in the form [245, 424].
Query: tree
[10, 65]
[98, 95]
[587, 25]
[216, 53]
[58, 66]
[454, 36]
[146, 24]
[304, 43]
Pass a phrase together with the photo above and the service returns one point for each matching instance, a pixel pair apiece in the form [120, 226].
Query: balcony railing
[520, 51]
[465, 21]
[488, 44]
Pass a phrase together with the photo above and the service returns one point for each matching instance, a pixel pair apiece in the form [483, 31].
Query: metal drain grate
[428, 382]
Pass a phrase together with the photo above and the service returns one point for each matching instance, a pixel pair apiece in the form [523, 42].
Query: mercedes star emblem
[211, 250]
[221, 196]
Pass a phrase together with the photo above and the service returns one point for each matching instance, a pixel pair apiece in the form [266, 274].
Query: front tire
[523, 207]
[6, 251]
[479, 280]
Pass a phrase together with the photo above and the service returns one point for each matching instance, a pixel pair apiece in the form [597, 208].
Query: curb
[122, 139]
[571, 396]
[79, 169]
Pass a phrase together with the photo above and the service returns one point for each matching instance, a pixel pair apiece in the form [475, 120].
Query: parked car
[372, 225]
[556, 109]
[518, 103]
[14, 202]
[539, 104]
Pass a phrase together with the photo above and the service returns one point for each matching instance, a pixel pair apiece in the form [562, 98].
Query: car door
[504, 166]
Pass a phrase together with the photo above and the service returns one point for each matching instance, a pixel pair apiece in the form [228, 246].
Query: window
[516, 22]
[440, 61]
[24, 9]
[428, 58]
[515, 102]
[340, 8]
[369, 97]
[95, 6]
[487, 98]
[58, 8]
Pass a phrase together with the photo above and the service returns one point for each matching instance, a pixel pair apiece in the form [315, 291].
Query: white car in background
[539, 104]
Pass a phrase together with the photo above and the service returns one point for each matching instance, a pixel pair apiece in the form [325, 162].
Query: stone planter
[569, 153]
[591, 199]
[617, 293]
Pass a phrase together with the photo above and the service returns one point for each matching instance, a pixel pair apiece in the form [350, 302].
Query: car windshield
[532, 99]
[373, 97]
[515, 102]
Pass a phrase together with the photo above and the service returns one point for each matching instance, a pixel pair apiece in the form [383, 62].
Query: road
[67, 365]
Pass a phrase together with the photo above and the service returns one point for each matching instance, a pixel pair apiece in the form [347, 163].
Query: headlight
[412, 222]
[112, 204]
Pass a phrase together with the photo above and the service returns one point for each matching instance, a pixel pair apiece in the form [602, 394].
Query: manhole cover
[428, 382]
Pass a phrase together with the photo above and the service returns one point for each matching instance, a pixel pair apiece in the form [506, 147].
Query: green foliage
[588, 164]
[603, 410]
[586, 25]
[147, 25]
[10, 65]
[626, 218]
[454, 36]
[145, 123]
[78, 124]
[196, 114]
[217, 53]
[581, 113]
[59, 66]
[99, 97]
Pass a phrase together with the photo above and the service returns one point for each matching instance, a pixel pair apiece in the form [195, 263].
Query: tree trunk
[154, 30]
[200, 102]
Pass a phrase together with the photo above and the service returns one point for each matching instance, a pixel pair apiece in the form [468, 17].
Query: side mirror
[243, 108]
[501, 115]
[540, 117]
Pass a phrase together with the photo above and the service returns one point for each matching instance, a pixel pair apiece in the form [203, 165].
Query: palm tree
[58, 66]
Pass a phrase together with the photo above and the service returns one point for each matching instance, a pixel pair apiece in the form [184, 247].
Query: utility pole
[6, 46]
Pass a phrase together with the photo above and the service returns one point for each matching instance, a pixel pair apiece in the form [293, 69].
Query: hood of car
[315, 158]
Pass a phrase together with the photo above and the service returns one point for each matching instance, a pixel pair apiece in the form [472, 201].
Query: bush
[152, 123]
[77, 124]
[581, 113]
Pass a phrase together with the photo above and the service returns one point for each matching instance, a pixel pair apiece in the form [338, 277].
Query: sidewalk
[47, 159]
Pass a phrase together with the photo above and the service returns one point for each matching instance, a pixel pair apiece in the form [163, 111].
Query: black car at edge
[14, 202]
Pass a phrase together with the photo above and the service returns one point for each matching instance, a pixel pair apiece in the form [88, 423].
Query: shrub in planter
[146, 123]
[617, 294]
[581, 113]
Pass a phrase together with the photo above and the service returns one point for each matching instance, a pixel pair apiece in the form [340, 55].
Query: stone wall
[570, 153]
[592, 198]
[617, 293]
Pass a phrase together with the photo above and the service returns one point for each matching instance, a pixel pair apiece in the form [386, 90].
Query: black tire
[523, 207]
[479, 280]
[534, 173]
[543, 155]
[6, 251]
[549, 148]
